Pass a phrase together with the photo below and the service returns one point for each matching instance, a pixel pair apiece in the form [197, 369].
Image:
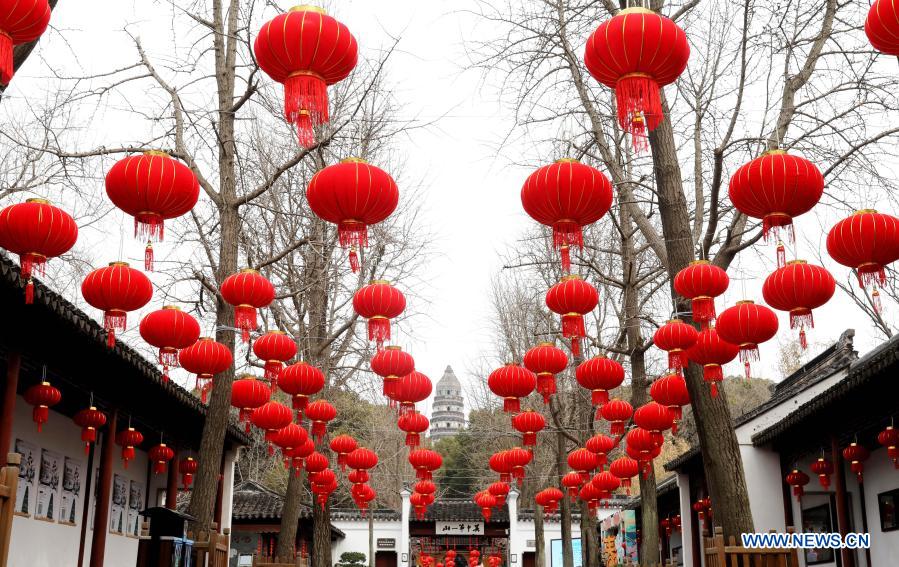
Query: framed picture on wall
[73, 470]
[887, 503]
[817, 520]
[48, 504]
[118, 511]
[25, 496]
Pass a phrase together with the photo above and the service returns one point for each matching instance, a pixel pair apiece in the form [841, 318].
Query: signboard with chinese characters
[386, 543]
[460, 528]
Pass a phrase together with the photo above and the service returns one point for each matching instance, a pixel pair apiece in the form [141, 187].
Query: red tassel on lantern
[565, 254]
[781, 254]
[29, 292]
[148, 256]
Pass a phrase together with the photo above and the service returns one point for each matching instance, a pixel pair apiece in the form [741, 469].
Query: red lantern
[500, 491]
[412, 388]
[654, 417]
[275, 348]
[362, 495]
[617, 412]
[248, 394]
[625, 468]
[289, 438]
[42, 396]
[572, 298]
[301, 380]
[599, 375]
[776, 187]
[169, 329]
[391, 364]
[529, 423]
[21, 21]
[420, 503]
[160, 455]
[798, 288]
[567, 196]
[306, 50]
[271, 417]
[485, 502]
[152, 187]
[889, 438]
[414, 425]
[379, 302]
[607, 483]
[823, 468]
[671, 392]
[343, 445]
[583, 461]
[591, 494]
[712, 352]
[425, 462]
[549, 499]
[205, 358]
[357, 477]
[701, 282]
[882, 27]
[35, 229]
[316, 463]
[128, 439]
[856, 455]
[866, 242]
[353, 195]
[572, 481]
[320, 413]
[546, 360]
[676, 337]
[501, 465]
[362, 459]
[797, 479]
[643, 446]
[601, 445]
[188, 468]
[519, 459]
[512, 382]
[247, 291]
[89, 420]
[747, 325]
[624, 53]
[116, 290]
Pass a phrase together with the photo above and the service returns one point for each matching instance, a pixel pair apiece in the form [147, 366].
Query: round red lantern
[625, 468]
[362, 495]
[529, 423]
[425, 462]
[797, 479]
[882, 26]
[591, 494]
[379, 302]
[485, 502]
[420, 503]
[353, 195]
[289, 438]
[798, 288]
[747, 325]
[188, 467]
[654, 417]
[357, 477]
[617, 412]
[169, 329]
[247, 291]
[572, 481]
[22, 21]
[343, 445]
[701, 282]
[270, 417]
[306, 50]
[549, 499]
[823, 468]
[599, 375]
[624, 54]
[712, 352]
[512, 382]
[160, 455]
[301, 380]
[248, 394]
[601, 445]
[362, 459]
[643, 445]
[128, 439]
[518, 458]
[546, 360]
[889, 438]
[116, 290]
[391, 364]
[205, 358]
[414, 424]
[412, 388]
[320, 413]
[89, 420]
[583, 461]
[499, 490]
[152, 187]
[776, 188]
[35, 230]
[671, 392]
[316, 463]
[572, 298]
[501, 465]
[42, 396]
[567, 196]
[866, 242]
[856, 455]
[675, 337]
[275, 348]
[606, 482]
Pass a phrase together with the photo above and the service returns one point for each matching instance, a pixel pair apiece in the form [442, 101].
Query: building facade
[448, 410]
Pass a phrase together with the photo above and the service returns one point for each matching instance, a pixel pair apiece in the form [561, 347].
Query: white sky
[471, 196]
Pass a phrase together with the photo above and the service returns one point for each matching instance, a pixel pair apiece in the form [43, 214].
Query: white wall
[880, 476]
[764, 484]
[357, 536]
[551, 531]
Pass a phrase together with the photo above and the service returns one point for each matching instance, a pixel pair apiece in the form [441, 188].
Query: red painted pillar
[171, 485]
[104, 491]
[847, 556]
[13, 364]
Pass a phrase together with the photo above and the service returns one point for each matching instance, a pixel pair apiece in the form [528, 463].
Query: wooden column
[88, 501]
[104, 490]
[848, 558]
[171, 485]
[13, 364]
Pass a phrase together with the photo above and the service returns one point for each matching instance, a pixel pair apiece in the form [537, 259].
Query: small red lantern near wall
[128, 439]
[889, 438]
[188, 468]
[160, 455]
[797, 479]
[89, 420]
[856, 455]
[42, 396]
[823, 468]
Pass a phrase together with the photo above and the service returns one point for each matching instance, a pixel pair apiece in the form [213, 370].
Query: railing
[730, 554]
[211, 549]
[9, 480]
[272, 561]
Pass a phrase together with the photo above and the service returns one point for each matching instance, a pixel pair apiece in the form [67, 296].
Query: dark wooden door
[385, 559]
[529, 559]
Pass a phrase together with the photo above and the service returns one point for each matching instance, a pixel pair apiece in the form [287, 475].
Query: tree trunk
[718, 441]
[321, 535]
[539, 542]
[371, 537]
[290, 516]
[589, 537]
[561, 467]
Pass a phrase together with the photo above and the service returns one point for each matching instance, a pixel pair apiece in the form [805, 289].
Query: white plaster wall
[551, 531]
[357, 536]
[764, 484]
[880, 476]
[686, 514]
